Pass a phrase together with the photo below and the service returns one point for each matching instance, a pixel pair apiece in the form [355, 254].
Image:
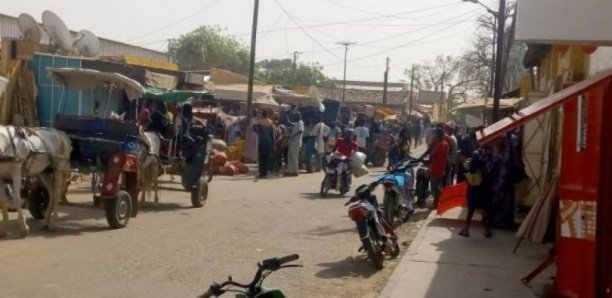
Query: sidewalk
[440, 263]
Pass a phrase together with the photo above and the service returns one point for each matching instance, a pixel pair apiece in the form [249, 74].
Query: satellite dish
[57, 30]
[29, 28]
[88, 44]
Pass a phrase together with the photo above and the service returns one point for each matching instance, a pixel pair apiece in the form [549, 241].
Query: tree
[208, 46]
[434, 75]
[443, 74]
[282, 72]
[476, 61]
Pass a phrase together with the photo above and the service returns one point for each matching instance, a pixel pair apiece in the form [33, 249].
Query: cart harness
[24, 135]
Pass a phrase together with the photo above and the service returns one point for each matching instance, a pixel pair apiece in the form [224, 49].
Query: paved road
[177, 251]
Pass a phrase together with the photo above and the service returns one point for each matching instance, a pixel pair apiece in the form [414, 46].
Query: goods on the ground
[219, 144]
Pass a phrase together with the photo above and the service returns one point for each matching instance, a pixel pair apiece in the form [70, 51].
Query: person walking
[452, 154]
[479, 189]
[250, 146]
[321, 132]
[295, 143]
[265, 140]
[362, 134]
[437, 166]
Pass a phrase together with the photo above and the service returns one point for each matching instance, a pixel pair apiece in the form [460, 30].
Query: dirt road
[177, 251]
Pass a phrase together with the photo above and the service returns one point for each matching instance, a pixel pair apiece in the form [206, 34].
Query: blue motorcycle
[398, 185]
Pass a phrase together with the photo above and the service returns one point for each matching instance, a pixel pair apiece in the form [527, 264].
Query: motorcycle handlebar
[288, 259]
[275, 263]
[207, 294]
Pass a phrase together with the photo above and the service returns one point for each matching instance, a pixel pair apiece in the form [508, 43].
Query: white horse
[27, 152]
[149, 166]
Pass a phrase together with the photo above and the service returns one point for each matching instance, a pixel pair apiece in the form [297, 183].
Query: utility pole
[501, 25]
[386, 82]
[411, 90]
[441, 103]
[346, 45]
[252, 67]
[295, 57]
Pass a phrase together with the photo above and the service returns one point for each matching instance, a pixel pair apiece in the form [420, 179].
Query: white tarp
[84, 79]
[289, 97]
[3, 83]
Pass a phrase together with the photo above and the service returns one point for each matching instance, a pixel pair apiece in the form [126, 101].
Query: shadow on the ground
[330, 230]
[349, 267]
[317, 196]
[152, 207]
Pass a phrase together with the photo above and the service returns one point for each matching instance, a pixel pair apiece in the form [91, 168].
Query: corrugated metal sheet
[10, 28]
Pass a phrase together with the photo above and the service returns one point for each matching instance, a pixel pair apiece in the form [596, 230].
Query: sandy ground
[177, 251]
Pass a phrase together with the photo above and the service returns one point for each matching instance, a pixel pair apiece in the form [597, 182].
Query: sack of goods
[357, 160]
[219, 144]
[358, 167]
[363, 170]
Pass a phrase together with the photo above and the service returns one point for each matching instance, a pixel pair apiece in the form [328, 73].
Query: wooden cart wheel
[199, 195]
[38, 202]
[118, 210]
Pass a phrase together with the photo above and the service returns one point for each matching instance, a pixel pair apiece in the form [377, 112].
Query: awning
[290, 97]
[176, 96]
[539, 107]
[160, 80]
[238, 92]
[85, 79]
[475, 106]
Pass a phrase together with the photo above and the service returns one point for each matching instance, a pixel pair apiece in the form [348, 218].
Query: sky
[406, 31]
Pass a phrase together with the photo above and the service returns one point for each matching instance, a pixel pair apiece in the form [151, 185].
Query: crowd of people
[287, 142]
[490, 171]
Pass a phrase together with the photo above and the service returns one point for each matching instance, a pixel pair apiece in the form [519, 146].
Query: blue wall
[50, 94]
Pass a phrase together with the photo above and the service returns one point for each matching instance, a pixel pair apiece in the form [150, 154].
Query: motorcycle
[422, 186]
[254, 289]
[337, 174]
[398, 183]
[376, 234]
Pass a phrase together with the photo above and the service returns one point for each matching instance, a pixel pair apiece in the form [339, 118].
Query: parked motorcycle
[254, 289]
[398, 185]
[422, 186]
[376, 234]
[337, 174]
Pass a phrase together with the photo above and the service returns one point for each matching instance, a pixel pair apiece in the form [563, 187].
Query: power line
[365, 44]
[175, 22]
[379, 14]
[352, 21]
[304, 30]
[410, 43]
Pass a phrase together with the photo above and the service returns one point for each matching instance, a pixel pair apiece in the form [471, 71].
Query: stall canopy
[83, 79]
[538, 108]
[289, 97]
[475, 107]
[238, 92]
[176, 96]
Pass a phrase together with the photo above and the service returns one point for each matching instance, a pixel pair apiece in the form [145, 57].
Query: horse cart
[97, 111]
[184, 147]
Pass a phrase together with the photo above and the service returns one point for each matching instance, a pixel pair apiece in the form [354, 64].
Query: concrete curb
[398, 274]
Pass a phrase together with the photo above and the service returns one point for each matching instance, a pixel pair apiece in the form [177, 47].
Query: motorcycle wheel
[389, 213]
[374, 251]
[404, 214]
[395, 250]
[325, 186]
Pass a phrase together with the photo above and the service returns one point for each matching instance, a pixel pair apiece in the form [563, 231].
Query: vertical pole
[411, 90]
[501, 24]
[295, 56]
[249, 104]
[492, 76]
[344, 80]
[386, 82]
[441, 103]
